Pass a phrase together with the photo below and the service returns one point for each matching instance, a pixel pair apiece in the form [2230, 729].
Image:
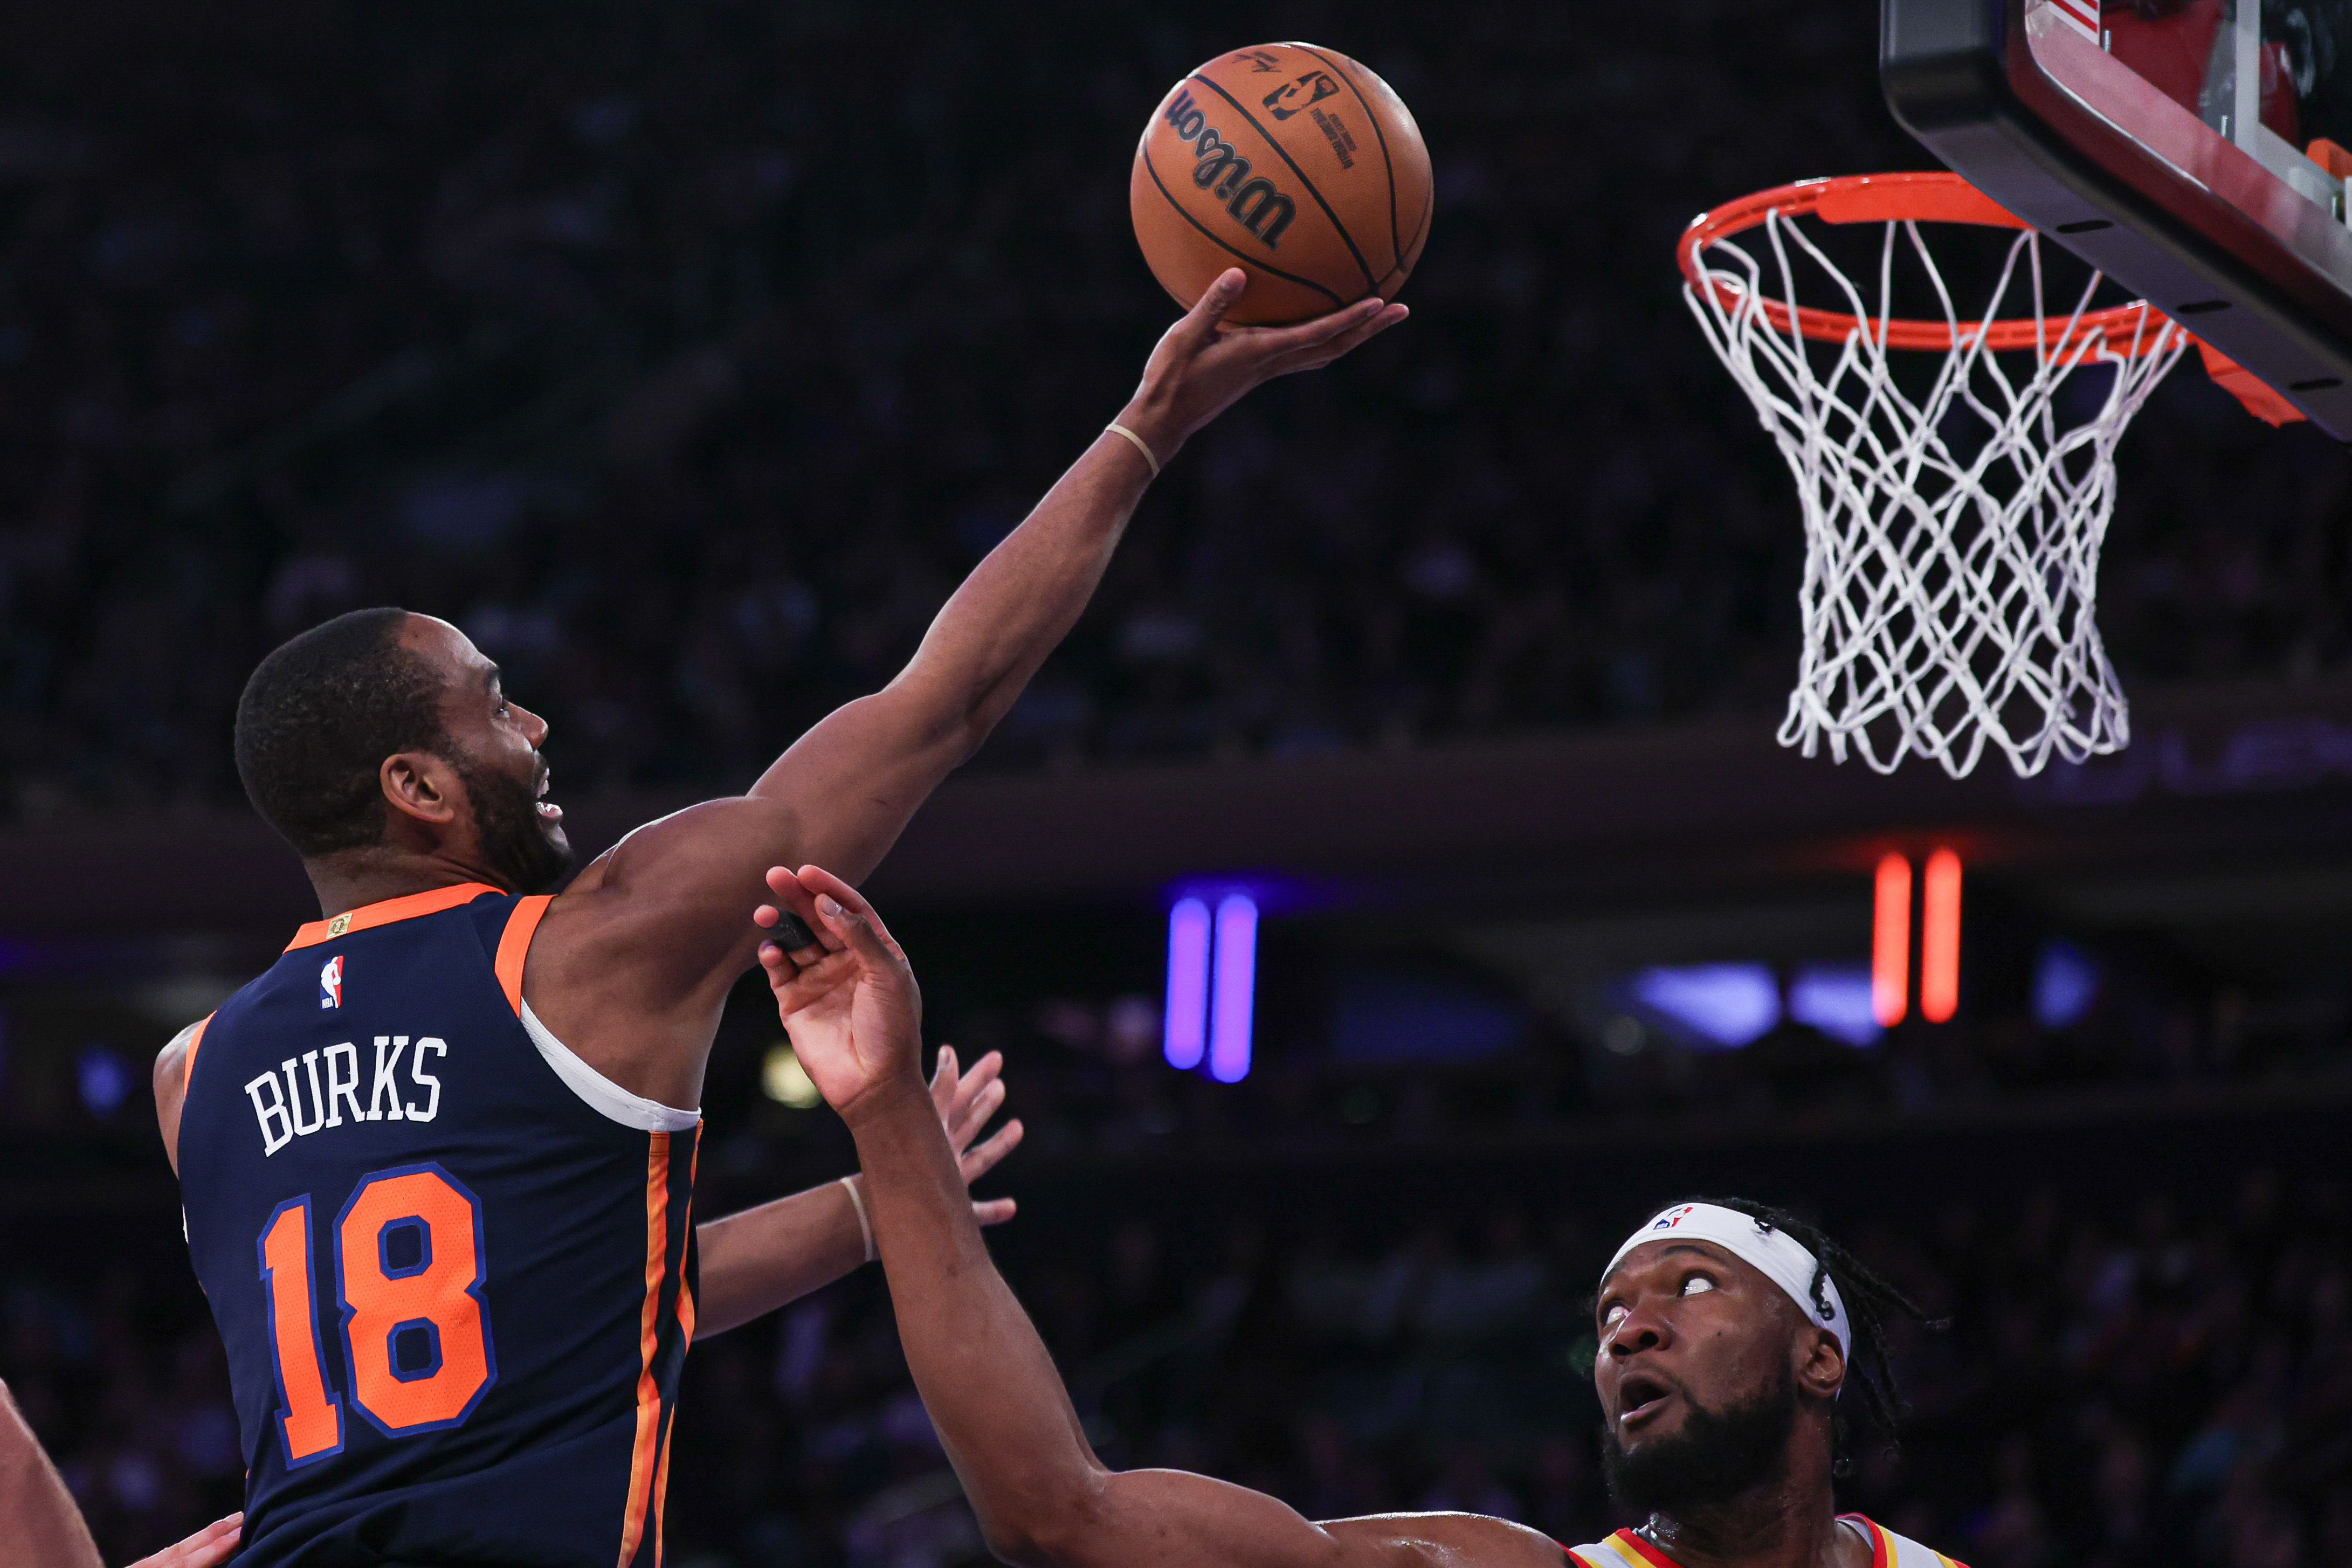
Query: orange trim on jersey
[433, 900]
[642, 1466]
[661, 1485]
[188, 1067]
[1628, 1541]
[514, 946]
[685, 1312]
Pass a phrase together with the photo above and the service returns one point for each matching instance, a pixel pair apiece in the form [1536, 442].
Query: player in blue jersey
[437, 1163]
[1726, 1334]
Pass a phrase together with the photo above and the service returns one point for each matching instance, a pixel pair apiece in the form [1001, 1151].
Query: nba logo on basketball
[330, 982]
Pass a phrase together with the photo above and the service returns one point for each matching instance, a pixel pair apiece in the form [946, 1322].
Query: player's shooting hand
[206, 1548]
[1204, 366]
[849, 1002]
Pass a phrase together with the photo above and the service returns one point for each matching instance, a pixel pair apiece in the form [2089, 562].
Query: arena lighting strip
[1939, 940]
[1212, 985]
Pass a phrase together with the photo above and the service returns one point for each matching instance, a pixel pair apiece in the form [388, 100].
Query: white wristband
[865, 1226]
[1115, 428]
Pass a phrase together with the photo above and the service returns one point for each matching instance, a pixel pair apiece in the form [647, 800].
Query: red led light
[1890, 944]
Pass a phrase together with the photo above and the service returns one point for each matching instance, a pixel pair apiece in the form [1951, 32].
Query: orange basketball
[1294, 162]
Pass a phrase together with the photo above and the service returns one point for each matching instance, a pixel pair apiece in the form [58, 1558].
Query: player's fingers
[823, 883]
[790, 933]
[978, 1161]
[993, 1211]
[213, 1544]
[796, 899]
[858, 933]
[1200, 322]
[1279, 341]
[983, 1072]
[968, 1120]
[1197, 328]
[1315, 356]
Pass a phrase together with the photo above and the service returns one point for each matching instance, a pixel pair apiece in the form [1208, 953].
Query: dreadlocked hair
[1870, 1300]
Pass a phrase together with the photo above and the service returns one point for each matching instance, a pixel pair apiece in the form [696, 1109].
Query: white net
[1952, 529]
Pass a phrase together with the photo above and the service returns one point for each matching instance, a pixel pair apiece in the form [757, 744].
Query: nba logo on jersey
[330, 982]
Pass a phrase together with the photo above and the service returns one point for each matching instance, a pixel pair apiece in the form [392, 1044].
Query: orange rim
[1928, 196]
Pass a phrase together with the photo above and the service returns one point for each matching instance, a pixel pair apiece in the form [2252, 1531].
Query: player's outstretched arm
[763, 1258]
[656, 927]
[1042, 1498]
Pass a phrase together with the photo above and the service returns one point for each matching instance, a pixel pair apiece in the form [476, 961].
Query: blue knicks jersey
[452, 1263]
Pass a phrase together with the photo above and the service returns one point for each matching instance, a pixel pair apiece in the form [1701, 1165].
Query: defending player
[437, 1162]
[1726, 1339]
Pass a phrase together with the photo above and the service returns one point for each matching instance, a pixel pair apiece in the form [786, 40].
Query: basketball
[1293, 162]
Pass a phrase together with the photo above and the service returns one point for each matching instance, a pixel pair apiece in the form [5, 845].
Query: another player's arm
[41, 1528]
[654, 928]
[762, 1258]
[1042, 1498]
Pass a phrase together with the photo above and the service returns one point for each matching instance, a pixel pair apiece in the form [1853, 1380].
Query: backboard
[2194, 151]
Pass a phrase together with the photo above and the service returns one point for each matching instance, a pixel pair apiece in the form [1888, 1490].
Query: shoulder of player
[1453, 1539]
[1888, 1550]
[171, 1081]
[171, 1062]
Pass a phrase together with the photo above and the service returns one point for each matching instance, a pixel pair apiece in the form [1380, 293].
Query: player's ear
[419, 785]
[1821, 1364]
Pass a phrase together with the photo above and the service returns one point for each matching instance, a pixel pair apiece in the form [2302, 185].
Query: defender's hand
[965, 1105]
[206, 1548]
[849, 1002]
[1202, 367]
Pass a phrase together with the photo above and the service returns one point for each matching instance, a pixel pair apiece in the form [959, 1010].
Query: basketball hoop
[1952, 531]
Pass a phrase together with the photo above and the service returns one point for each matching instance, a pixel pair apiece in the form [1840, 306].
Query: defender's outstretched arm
[1044, 1499]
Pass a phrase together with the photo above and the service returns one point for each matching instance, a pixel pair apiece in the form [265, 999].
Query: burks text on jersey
[308, 1101]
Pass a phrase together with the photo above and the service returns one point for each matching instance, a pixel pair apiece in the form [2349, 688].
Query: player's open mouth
[547, 809]
[1640, 1398]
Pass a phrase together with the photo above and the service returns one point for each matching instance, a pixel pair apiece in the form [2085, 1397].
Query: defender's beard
[527, 852]
[1717, 1456]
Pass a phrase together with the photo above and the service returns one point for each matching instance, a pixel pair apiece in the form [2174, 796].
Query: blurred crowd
[2132, 1381]
[686, 355]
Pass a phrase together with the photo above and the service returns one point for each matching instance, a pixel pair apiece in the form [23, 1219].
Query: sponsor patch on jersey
[330, 982]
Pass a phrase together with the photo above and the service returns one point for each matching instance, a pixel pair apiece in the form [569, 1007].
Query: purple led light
[1235, 981]
[1187, 1039]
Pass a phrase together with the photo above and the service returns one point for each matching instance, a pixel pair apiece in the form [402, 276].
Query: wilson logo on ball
[1220, 169]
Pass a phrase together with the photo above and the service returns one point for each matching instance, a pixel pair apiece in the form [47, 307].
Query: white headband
[1777, 1255]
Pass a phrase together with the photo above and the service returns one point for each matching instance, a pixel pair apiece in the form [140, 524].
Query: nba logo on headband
[1777, 1256]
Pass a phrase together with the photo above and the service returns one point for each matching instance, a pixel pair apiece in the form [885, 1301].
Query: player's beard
[1718, 1456]
[525, 852]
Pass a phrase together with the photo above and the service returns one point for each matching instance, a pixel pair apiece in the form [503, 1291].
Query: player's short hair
[318, 716]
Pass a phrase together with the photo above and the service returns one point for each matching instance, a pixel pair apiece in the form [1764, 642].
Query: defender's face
[1683, 1325]
[495, 739]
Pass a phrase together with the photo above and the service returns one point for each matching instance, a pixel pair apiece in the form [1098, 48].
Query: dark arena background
[686, 355]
